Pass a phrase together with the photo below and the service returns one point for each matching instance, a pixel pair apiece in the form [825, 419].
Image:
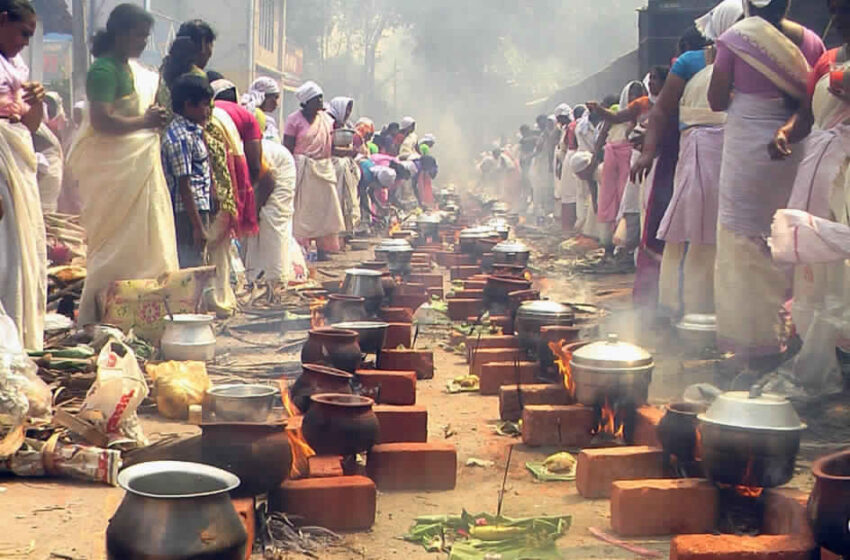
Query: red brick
[412, 301]
[564, 426]
[733, 547]
[410, 289]
[245, 510]
[472, 284]
[494, 375]
[398, 334]
[646, 426]
[420, 361]
[421, 257]
[463, 272]
[325, 466]
[417, 268]
[785, 512]
[402, 423]
[511, 396]
[396, 387]
[452, 260]
[461, 308]
[441, 257]
[488, 355]
[828, 555]
[431, 280]
[436, 293]
[647, 507]
[413, 466]
[474, 343]
[598, 468]
[396, 314]
[342, 503]
[468, 294]
[503, 322]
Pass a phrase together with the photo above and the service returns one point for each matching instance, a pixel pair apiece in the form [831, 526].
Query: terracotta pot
[259, 454]
[388, 283]
[345, 308]
[382, 266]
[340, 424]
[498, 287]
[316, 378]
[677, 432]
[337, 348]
[829, 502]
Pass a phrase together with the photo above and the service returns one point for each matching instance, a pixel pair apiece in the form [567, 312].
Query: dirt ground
[43, 519]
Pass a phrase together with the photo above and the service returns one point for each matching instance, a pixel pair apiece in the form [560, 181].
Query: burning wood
[562, 360]
[746, 490]
[300, 449]
[609, 424]
[394, 227]
[317, 307]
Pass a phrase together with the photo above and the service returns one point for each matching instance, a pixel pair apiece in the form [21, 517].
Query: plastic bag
[178, 385]
[620, 238]
[116, 393]
[816, 367]
[23, 393]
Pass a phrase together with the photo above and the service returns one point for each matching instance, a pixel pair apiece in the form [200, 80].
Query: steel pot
[698, 331]
[366, 284]
[399, 259]
[343, 137]
[340, 424]
[750, 440]
[337, 348]
[531, 315]
[677, 432]
[345, 308]
[829, 503]
[500, 226]
[469, 239]
[611, 369]
[386, 244]
[317, 378]
[497, 288]
[371, 334]
[173, 510]
[428, 225]
[188, 337]
[238, 402]
[500, 208]
[511, 252]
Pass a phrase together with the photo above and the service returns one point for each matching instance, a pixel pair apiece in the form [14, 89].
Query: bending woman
[126, 207]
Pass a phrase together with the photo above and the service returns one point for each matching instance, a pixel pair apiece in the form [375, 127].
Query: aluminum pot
[469, 239]
[385, 244]
[829, 503]
[498, 288]
[340, 424]
[697, 331]
[174, 510]
[428, 225]
[188, 337]
[750, 439]
[366, 284]
[500, 226]
[531, 315]
[343, 137]
[371, 334]
[511, 252]
[611, 369]
[399, 259]
[345, 308]
[238, 402]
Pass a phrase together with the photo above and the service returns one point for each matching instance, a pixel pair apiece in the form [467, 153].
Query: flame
[562, 360]
[526, 274]
[608, 422]
[745, 489]
[698, 446]
[298, 446]
[317, 318]
[394, 226]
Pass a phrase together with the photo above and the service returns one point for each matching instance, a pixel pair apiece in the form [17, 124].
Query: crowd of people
[685, 174]
[174, 169]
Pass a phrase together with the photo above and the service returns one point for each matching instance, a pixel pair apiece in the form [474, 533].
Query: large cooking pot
[384, 245]
[611, 369]
[829, 502]
[341, 307]
[340, 424]
[318, 378]
[242, 402]
[428, 225]
[337, 348]
[371, 334]
[531, 315]
[750, 439]
[498, 288]
[366, 284]
[697, 331]
[511, 252]
[173, 510]
[469, 239]
[677, 432]
[399, 259]
[500, 226]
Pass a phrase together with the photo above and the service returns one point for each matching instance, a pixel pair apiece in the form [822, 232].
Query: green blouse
[109, 79]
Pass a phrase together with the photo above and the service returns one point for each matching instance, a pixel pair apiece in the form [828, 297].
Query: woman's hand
[33, 93]
[155, 117]
[641, 168]
[780, 147]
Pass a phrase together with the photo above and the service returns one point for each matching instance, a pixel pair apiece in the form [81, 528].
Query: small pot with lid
[500, 226]
[698, 331]
[511, 252]
[750, 439]
[613, 369]
[428, 226]
[469, 239]
[531, 315]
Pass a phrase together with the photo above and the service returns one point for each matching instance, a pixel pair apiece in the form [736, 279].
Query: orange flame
[394, 227]
[298, 446]
[608, 422]
[698, 446]
[745, 489]
[317, 318]
[562, 360]
[526, 275]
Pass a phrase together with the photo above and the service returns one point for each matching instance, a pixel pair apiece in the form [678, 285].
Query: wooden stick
[504, 480]
[639, 550]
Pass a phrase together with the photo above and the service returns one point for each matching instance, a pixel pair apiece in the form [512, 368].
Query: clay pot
[677, 432]
[381, 266]
[396, 315]
[829, 502]
[259, 454]
[497, 289]
[345, 308]
[337, 348]
[388, 283]
[340, 424]
[316, 378]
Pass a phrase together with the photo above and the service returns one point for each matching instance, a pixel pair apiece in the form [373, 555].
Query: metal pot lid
[476, 232]
[500, 207]
[361, 325]
[388, 243]
[363, 272]
[611, 353]
[429, 219]
[511, 247]
[768, 411]
[702, 322]
[544, 308]
[189, 319]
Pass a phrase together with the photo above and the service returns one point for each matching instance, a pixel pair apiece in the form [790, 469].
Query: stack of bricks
[571, 425]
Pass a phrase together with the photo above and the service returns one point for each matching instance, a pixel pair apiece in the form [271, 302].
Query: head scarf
[407, 122]
[624, 95]
[308, 90]
[222, 85]
[337, 108]
[258, 91]
[364, 127]
[428, 139]
[715, 23]
[386, 176]
[563, 110]
[652, 97]
[580, 161]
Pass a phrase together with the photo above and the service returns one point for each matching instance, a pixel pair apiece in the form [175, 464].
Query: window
[268, 17]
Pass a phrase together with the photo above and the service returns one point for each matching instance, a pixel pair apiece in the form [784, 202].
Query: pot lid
[189, 318]
[388, 243]
[698, 322]
[612, 353]
[544, 308]
[363, 272]
[361, 325]
[500, 207]
[429, 219]
[176, 480]
[767, 411]
[476, 232]
[510, 247]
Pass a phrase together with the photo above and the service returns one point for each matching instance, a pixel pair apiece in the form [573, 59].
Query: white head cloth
[580, 161]
[407, 122]
[337, 108]
[308, 91]
[428, 139]
[624, 95]
[386, 175]
[221, 85]
[715, 23]
[563, 110]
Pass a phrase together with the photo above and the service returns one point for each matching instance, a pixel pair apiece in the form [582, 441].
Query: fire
[608, 422]
[562, 360]
[698, 446]
[745, 489]
[526, 274]
[298, 446]
[394, 227]
[317, 318]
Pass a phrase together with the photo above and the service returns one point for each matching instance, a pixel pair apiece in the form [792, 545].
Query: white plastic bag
[22, 392]
[116, 393]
